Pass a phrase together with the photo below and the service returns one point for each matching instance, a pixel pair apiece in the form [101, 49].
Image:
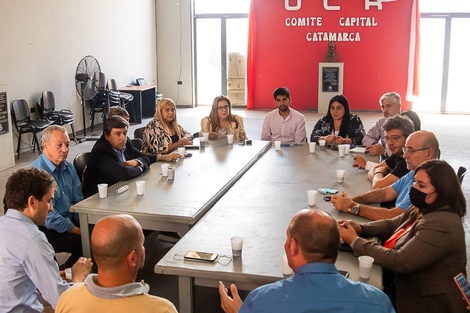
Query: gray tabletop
[174, 205]
[259, 207]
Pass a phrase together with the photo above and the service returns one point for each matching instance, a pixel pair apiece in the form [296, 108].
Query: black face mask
[417, 198]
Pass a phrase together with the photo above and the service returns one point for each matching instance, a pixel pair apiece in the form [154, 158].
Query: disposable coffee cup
[311, 196]
[103, 190]
[68, 273]
[206, 135]
[165, 169]
[140, 186]
[229, 139]
[322, 144]
[311, 147]
[286, 270]
[277, 145]
[237, 245]
[340, 176]
[171, 173]
[365, 266]
[181, 152]
[202, 143]
[341, 149]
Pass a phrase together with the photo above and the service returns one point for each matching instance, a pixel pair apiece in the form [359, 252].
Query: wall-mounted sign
[330, 79]
[4, 127]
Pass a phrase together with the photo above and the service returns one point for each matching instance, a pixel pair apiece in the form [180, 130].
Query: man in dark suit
[113, 158]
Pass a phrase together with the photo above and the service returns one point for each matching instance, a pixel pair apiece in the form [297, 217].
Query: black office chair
[139, 133]
[47, 111]
[100, 103]
[137, 143]
[142, 82]
[24, 124]
[414, 118]
[461, 173]
[79, 162]
[124, 98]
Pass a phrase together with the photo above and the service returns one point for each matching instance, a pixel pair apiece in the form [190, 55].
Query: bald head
[317, 234]
[113, 238]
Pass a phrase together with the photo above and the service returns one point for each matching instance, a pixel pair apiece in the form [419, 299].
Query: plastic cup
[202, 142]
[229, 139]
[365, 266]
[165, 169]
[277, 145]
[311, 147]
[341, 149]
[311, 196]
[340, 176]
[171, 173]
[206, 135]
[346, 149]
[103, 190]
[68, 273]
[322, 144]
[286, 270]
[237, 245]
[140, 185]
[181, 151]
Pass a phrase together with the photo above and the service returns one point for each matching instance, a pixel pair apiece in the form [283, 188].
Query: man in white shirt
[284, 124]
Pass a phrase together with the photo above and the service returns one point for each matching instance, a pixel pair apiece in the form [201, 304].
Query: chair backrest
[141, 81]
[48, 101]
[461, 173]
[414, 118]
[20, 111]
[112, 84]
[101, 80]
[139, 133]
[79, 162]
[137, 143]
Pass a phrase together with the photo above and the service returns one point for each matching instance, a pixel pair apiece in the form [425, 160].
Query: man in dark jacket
[113, 158]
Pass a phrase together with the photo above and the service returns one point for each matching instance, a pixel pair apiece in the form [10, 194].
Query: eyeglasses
[224, 108]
[411, 150]
[393, 138]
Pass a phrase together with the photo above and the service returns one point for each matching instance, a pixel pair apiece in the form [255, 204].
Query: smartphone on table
[200, 256]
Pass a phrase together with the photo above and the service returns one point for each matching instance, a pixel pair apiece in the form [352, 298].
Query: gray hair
[403, 123]
[392, 96]
[47, 133]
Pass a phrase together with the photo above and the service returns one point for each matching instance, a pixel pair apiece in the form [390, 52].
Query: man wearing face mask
[419, 147]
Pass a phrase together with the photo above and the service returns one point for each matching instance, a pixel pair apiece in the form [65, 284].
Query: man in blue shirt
[311, 247]
[61, 227]
[27, 262]
[419, 147]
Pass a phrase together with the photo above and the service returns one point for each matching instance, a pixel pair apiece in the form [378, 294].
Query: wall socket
[179, 82]
[32, 110]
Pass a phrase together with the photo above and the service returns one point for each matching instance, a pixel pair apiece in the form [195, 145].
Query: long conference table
[259, 208]
[174, 205]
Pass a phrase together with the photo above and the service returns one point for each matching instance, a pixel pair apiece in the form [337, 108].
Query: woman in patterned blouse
[221, 121]
[163, 134]
[339, 124]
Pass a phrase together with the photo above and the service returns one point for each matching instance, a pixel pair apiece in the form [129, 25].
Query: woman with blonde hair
[163, 134]
[221, 121]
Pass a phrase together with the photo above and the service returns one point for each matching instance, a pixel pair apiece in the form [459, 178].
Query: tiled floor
[450, 130]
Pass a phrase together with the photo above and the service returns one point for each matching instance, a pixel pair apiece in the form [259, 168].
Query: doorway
[220, 40]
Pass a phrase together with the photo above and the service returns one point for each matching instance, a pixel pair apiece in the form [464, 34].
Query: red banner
[373, 40]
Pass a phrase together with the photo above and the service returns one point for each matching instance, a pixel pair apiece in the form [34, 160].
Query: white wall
[174, 22]
[43, 41]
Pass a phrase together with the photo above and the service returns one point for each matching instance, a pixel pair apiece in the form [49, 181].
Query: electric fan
[87, 77]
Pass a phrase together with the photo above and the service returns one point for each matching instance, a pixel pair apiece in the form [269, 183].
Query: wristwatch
[355, 209]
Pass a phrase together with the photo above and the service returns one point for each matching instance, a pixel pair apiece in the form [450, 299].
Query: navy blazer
[105, 166]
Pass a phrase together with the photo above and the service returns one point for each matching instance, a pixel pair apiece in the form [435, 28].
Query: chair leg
[73, 133]
[92, 119]
[37, 143]
[18, 147]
